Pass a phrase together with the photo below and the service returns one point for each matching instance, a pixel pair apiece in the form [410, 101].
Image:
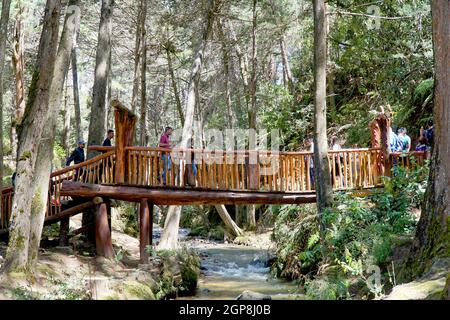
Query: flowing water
[227, 270]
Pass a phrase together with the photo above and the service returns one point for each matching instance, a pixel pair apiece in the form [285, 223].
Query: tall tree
[143, 113]
[18, 63]
[6, 5]
[76, 93]
[22, 235]
[45, 150]
[321, 168]
[251, 209]
[169, 238]
[433, 231]
[97, 125]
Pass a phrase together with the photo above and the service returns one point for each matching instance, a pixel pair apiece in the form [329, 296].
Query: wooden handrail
[157, 149]
[101, 148]
[82, 164]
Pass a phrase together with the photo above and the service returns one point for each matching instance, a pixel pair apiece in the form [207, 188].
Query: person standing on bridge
[77, 157]
[164, 142]
[109, 137]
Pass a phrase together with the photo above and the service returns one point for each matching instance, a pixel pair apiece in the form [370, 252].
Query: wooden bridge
[140, 174]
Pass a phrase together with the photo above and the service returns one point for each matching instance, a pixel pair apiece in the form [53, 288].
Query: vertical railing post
[125, 122]
[253, 170]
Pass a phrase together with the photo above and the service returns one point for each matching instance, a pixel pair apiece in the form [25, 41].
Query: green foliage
[361, 232]
[129, 216]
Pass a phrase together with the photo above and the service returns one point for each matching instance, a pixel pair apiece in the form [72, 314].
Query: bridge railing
[99, 170]
[276, 171]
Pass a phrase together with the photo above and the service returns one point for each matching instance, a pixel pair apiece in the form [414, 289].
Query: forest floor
[74, 273]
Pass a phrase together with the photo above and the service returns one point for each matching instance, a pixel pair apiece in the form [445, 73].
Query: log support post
[103, 242]
[146, 228]
[64, 231]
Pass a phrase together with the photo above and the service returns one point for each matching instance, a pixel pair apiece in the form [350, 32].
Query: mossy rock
[138, 291]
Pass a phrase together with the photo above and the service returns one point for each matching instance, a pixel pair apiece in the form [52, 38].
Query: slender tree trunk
[97, 124]
[137, 59]
[433, 231]
[143, 118]
[26, 198]
[4, 21]
[169, 238]
[18, 63]
[76, 95]
[286, 66]
[251, 209]
[45, 151]
[67, 118]
[321, 168]
[229, 223]
[176, 92]
[226, 69]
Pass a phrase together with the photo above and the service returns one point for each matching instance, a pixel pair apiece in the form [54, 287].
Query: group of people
[401, 142]
[77, 156]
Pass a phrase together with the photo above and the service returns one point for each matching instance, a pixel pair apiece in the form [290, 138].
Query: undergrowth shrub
[360, 232]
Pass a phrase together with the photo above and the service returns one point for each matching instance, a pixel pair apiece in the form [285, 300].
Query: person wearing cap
[77, 155]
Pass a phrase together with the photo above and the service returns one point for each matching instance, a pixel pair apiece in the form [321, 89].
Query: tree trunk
[45, 151]
[76, 95]
[176, 93]
[97, 124]
[6, 4]
[251, 210]
[67, 118]
[321, 168]
[18, 67]
[286, 66]
[229, 223]
[143, 118]
[433, 231]
[30, 133]
[226, 69]
[137, 59]
[169, 238]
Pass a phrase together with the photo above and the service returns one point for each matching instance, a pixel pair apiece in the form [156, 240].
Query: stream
[227, 270]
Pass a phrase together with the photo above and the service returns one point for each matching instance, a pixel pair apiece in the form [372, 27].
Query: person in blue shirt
[109, 137]
[77, 155]
[405, 139]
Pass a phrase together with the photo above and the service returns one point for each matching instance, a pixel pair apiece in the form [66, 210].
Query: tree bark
[433, 232]
[30, 133]
[97, 126]
[4, 21]
[169, 238]
[321, 168]
[45, 150]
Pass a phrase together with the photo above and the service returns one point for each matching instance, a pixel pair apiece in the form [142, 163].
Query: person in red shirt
[164, 142]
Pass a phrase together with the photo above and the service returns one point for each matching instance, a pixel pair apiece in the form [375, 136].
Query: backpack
[429, 134]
